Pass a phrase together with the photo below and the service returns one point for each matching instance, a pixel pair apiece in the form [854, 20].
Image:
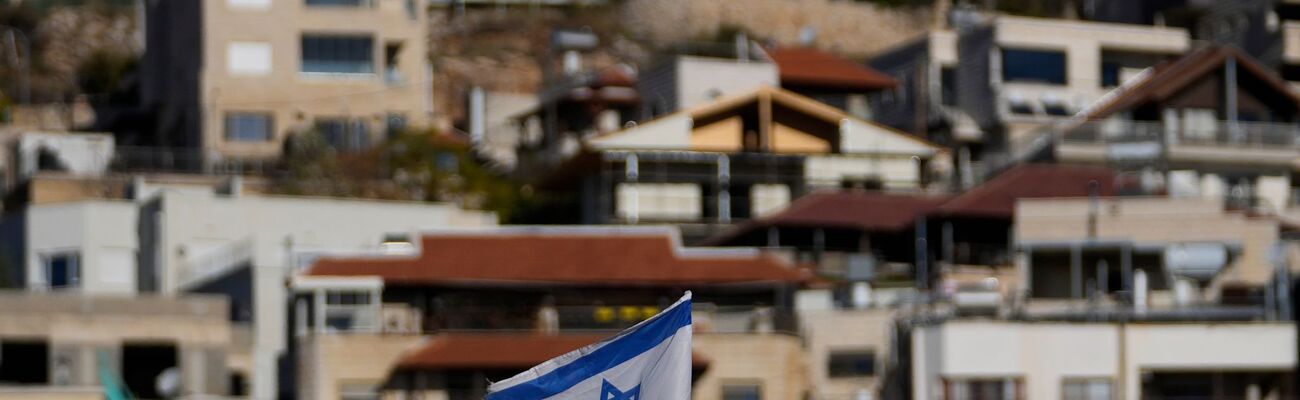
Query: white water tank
[1199, 261]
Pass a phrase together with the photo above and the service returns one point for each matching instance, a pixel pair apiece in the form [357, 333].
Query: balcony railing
[1221, 133]
[708, 318]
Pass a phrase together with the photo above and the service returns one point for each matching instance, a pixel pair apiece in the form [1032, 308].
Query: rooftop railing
[1219, 133]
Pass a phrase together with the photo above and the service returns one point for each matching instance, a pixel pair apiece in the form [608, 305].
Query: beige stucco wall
[1154, 220]
[835, 330]
[284, 91]
[326, 362]
[776, 362]
[1044, 354]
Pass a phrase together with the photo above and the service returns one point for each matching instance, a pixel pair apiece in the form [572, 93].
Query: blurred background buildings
[407, 199]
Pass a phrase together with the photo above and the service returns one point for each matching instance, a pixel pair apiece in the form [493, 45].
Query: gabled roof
[499, 351]
[1168, 79]
[672, 131]
[581, 256]
[803, 66]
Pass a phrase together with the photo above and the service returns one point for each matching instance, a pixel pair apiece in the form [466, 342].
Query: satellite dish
[168, 383]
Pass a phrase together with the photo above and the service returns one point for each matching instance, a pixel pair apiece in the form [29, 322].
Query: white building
[185, 238]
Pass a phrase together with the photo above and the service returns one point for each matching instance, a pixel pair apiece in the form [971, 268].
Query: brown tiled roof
[498, 351]
[548, 256]
[997, 197]
[883, 212]
[811, 67]
[1169, 78]
[856, 210]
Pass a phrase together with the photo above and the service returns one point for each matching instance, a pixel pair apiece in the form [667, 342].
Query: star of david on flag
[649, 361]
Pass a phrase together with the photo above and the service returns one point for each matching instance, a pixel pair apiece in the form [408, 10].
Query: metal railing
[1239, 134]
[707, 317]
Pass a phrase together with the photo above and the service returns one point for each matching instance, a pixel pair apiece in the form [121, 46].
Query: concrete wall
[834, 330]
[701, 80]
[1156, 221]
[82, 327]
[285, 92]
[775, 362]
[101, 232]
[326, 362]
[1043, 354]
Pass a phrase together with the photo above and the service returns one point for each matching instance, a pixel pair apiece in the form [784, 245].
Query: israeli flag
[649, 361]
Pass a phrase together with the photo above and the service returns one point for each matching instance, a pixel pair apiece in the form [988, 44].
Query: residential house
[828, 78]
[1016, 75]
[88, 346]
[1212, 124]
[489, 303]
[231, 80]
[882, 256]
[1123, 298]
[734, 159]
[173, 236]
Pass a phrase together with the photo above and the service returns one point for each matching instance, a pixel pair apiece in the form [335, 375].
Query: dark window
[63, 270]
[238, 385]
[344, 134]
[347, 298]
[338, 54]
[248, 127]
[23, 362]
[1033, 66]
[1110, 74]
[141, 366]
[1056, 109]
[741, 392]
[394, 124]
[339, 3]
[851, 363]
[948, 85]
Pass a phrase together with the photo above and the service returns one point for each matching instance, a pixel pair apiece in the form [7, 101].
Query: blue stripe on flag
[622, 348]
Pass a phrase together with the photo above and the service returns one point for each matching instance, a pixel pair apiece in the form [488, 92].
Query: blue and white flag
[649, 361]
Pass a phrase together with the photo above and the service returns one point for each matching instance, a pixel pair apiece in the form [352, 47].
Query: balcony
[708, 318]
[1222, 141]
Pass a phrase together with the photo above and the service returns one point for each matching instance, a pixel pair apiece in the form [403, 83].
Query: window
[982, 389]
[1086, 389]
[342, 298]
[1033, 66]
[348, 310]
[248, 58]
[24, 362]
[248, 127]
[344, 134]
[948, 85]
[843, 364]
[741, 392]
[394, 124]
[62, 270]
[338, 54]
[392, 75]
[1110, 74]
[339, 3]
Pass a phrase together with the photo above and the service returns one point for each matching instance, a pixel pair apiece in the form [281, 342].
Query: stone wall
[853, 28]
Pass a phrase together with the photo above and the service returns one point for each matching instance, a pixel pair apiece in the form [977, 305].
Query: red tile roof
[856, 210]
[498, 351]
[997, 197]
[811, 67]
[596, 257]
[883, 212]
